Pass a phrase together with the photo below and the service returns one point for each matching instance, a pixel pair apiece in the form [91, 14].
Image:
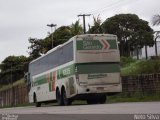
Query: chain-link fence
[145, 84]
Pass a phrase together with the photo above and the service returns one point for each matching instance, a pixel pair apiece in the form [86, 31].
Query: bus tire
[91, 101]
[66, 101]
[59, 97]
[102, 99]
[37, 104]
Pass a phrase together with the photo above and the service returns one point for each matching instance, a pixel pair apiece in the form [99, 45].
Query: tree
[37, 47]
[76, 28]
[96, 28]
[156, 20]
[132, 32]
[62, 33]
[13, 68]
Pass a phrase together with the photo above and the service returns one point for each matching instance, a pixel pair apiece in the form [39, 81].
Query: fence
[144, 84]
[14, 96]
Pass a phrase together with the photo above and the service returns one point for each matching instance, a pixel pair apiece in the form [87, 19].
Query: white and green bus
[87, 67]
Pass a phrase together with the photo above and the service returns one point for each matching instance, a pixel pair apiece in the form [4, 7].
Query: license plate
[100, 88]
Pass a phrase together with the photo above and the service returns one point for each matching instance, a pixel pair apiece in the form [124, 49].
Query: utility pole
[12, 89]
[84, 24]
[52, 25]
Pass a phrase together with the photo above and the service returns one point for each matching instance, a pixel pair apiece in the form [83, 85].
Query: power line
[100, 9]
[110, 6]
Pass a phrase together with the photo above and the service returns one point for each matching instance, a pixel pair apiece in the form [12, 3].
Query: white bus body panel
[82, 82]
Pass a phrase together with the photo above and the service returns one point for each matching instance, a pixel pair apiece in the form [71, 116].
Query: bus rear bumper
[87, 92]
[105, 89]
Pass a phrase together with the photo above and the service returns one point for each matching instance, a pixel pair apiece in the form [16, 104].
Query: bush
[141, 67]
[125, 61]
[149, 66]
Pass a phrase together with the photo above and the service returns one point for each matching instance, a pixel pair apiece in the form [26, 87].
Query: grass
[131, 69]
[141, 67]
[134, 98]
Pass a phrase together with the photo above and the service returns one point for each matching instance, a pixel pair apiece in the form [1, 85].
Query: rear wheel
[66, 100]
[102, 99]
[37, 104]
[58, 97]
[91, 101]
[97, 99]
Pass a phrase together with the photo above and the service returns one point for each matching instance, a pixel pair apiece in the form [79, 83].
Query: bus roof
[98, 35]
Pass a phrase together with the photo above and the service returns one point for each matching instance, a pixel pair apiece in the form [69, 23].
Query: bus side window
[62, 58]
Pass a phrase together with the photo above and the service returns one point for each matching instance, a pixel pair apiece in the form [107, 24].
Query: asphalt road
[85, 112]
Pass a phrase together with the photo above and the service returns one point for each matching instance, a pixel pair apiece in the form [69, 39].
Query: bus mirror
[26, 77]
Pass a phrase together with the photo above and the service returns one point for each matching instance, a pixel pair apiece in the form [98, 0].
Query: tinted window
[56, 58]
[66, 54]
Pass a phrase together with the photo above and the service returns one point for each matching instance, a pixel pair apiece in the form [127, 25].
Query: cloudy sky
[21, 19]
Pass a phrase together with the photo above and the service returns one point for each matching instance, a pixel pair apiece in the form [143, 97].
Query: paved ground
[116, 111]
[116, 108]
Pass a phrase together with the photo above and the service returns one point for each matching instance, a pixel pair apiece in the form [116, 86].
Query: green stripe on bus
[61, 73]
[97, 68]
[89, 45]
[79, 68]
[50, 82]
[40, 80]
[50, 76]
[112, 43]
[66, 71]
